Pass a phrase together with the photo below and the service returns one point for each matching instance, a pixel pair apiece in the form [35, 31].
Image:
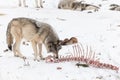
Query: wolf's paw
[23, 57]
[16, 55]
[41, 58]
[37, 59]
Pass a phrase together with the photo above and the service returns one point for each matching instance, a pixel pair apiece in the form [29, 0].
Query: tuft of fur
[9, 37]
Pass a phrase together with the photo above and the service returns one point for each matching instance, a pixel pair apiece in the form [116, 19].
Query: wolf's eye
[50, 46]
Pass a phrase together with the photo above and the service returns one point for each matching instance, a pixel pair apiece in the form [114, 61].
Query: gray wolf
[36, 32]
[39, 3]
[83, 6]
[65, 4]
[115, 7]
[76, 5]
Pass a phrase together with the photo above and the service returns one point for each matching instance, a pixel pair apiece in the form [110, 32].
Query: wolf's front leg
[41, 3]
[40, 50]
[36, 54]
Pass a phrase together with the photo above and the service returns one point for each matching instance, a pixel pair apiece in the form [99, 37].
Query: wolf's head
[54, 47]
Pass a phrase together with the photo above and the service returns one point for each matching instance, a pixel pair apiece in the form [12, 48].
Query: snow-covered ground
[100, 30]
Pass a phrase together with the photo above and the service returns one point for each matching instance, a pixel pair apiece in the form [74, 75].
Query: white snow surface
[100, 30]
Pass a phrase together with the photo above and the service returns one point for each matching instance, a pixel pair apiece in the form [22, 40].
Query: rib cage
[85, 55]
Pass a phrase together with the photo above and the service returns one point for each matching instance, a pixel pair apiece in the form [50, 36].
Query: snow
[99, 30]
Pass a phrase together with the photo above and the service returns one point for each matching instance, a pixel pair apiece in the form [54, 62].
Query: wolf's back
[9, 38]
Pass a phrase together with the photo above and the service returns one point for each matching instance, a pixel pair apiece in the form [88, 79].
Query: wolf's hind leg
[16, 33]
[16, 48]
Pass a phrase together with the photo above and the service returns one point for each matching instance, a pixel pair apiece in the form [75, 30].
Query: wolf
[76, 5]
[36, 32]
[65, 4]
[39, 3]
[115, 7]
[79, 6]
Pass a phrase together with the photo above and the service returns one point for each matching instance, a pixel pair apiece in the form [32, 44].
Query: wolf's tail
[9, 38]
